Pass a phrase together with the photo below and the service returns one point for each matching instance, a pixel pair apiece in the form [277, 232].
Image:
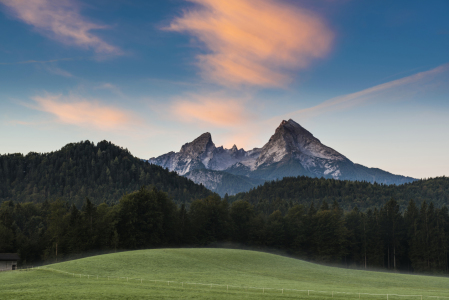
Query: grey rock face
[291, 151]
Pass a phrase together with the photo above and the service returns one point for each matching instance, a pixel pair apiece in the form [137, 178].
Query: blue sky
[368, 78]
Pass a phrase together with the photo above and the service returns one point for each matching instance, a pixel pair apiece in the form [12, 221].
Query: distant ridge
[282, 194]
[291, 151]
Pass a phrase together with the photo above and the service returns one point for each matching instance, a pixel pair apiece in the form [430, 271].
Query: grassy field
[224, 274]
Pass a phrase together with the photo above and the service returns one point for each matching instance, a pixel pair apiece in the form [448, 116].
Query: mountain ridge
[291, 151]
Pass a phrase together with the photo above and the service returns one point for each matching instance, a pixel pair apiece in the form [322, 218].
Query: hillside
[211, 274]
[102, 172]
[348, 194]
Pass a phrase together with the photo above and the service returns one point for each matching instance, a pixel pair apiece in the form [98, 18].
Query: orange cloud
[254, 42]
[80, 112]
[216, 111]
[61, 20]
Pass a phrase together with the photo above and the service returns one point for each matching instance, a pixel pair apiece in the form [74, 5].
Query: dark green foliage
[284, 193]
[241, 214]
[146, 219]
[102, 172]
[210, 219]
[416, 240]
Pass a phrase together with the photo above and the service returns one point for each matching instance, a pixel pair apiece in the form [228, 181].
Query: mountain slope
[102, 172]
[291, 151]
[222, 182]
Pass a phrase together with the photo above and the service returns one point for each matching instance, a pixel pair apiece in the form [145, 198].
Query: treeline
[102, 172]
[289, 191]
[415, 240]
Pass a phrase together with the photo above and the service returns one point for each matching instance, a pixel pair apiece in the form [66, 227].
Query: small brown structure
[8, 261]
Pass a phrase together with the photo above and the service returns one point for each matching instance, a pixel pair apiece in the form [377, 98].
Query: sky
[370, 78]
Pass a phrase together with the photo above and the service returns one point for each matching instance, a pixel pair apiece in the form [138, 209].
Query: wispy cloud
[62, 21]
[84, 112]
[396, 88]
[58, 71]
[212, 109]
[113, 88]
[250, 135]
[28, 123]
[35, 61]
[254, 43]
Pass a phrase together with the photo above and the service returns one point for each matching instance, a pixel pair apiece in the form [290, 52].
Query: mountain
[102, 172]
[291, 151]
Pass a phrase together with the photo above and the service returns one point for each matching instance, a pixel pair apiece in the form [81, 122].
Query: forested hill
[102, 172]
[305, 190]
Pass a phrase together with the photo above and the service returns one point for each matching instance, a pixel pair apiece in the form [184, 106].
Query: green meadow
[211, 274]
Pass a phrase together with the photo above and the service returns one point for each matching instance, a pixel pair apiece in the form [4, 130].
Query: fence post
[263, 290]
[282, 291]
[332, 294]
[308, 292]
[227, 288]
[140, 280]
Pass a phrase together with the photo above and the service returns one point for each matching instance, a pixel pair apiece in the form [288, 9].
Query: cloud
[82, 112]
[256, 43]
[58, 71]
[212, 110]
[396, 88]
[37, 61]
[60, 20]
[113, 88]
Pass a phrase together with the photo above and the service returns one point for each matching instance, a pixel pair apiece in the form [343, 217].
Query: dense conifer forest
[289, 191]
[102, 172]
[415, 240]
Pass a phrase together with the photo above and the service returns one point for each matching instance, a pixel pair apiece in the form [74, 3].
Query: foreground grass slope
[236, 268]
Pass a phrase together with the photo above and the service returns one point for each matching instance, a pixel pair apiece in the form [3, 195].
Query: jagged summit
[198, 146]
[291, 151]
[292, 126]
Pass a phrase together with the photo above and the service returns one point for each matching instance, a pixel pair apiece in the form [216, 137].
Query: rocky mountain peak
[291, 127]
[291, 151]
[201, 144]
[292, 140]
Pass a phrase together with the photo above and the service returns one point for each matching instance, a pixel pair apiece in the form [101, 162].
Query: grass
[239, 269]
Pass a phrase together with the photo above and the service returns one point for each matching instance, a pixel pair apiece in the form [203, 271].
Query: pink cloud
[254, 42]
[60, 20]
[81, 112]
[211, 110]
